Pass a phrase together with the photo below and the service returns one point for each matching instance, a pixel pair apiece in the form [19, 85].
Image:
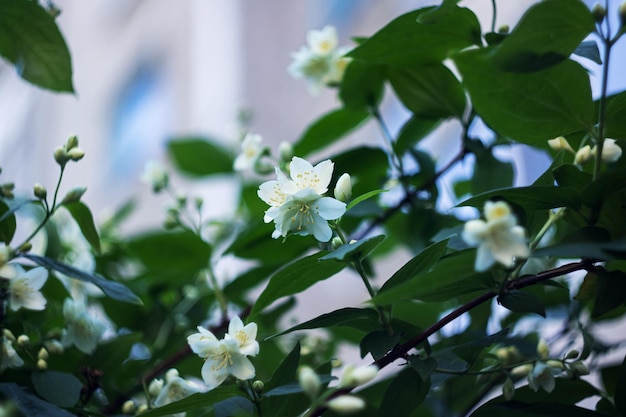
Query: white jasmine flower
[353, 376]
[83, 329]
[221, 358]
[155, 175]
[297, 204]
[244, 335]
[9, 357]
[324, 41]
[542, 376]
[251, 149]
[498, 239]
[611, 152]
[24, 287]
[175, 389]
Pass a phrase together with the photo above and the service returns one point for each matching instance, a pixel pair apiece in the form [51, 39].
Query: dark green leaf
[30, 39]
[286, 372]
[59, 388]
[195, 401]
[329, 128]
[113, 289]
[470, 351]
[296, 277]
[81, 213]
[424, 367]
[571, 176]
[367, 167]
[490, 173]
[364, 197]
[362, 86]
[419, 264]
[401, 42]
[515, 409]
[620, 390]
[351, 252]
[429, 91]
[342, 317]
[414, 130]
[608, 183]
[522, 302]
[199, 157]
[593, 242]
[7, 224]
[610, 291]
[29, 404]
[233, 407]
[404, 394]
[528, 107]
[546, 35]
[378, 343]
[294, 388]
[589, 50]
[614, 119]
[531, 198]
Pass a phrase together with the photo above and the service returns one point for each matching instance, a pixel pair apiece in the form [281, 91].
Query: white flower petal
[212, 375]
[330, 208]
[484, 258]
[241, 367]
[474, 232]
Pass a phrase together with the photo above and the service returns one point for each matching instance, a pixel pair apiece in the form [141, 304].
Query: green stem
[394, 160]
[608, 43]
[493, 19]
[382, 315]
[219, 295]
[256, 399]
[554, 216]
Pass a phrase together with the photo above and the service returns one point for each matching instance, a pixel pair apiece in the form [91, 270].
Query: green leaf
[610, 291]
[414, 130]
[362, 86]
[451, 277]
[615, 122]
[171, 254]
[608, 183]
[423, 262]
[424, 367]
[364, 197]
[195, 401]
[83, 217]
[586, 242]
[351, 252]
[515, 409]
[429, 91]
[350, 317]
[401, 42]
[589, 50]
[522, 302]
[296, 277]
[378, 343]
[7, 224]
[534, 197]
[113, 289]
[490, 173]
[528, 107]
[546, 35]
[404, 394]
[470, 351]
[571, 176]
[620, 390]
[329, 128]
[59, 388]
[199, 157]
[367, 167]
[29, 404]
[30, 39]
[285, 374]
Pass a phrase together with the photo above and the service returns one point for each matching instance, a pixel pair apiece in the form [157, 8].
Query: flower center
[222, 359]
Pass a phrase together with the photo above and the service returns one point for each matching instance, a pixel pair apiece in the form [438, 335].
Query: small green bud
[622, 14]
[142, 409]
[336, 242]
[504, 29]
[60, 155]
[598, 12]
[285, 151]
[43, 354]
[74, 195]
[572, 354]
[199, 202]
[71, 143]
[26, 247]
[263, 167]
[54, 346]
[580, 368]
[128, 407]
[258, 386]
[42, 364]
[40, 191]
[508, 389]
[6, 190]
[76, 154]
[23, 340]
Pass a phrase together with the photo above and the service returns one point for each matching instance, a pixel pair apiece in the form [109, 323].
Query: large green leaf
[528, 107]
[405, 41]
[351, 252]
[7, 224]
[350, 317]
[546, 35]
[29, 404]
[328, 129]
[534, 197]
[296, 277]
[610, 291]
[199, 157]
[172, 254]
[30, 39]
[414, 130]
[196, 401]
[490, 173]
[367, 167]
[608, 183]
[451, 277]
[429, 91]
[113, 289]
[362, 86]
[615, 122]
[59, 388]
[522, 302]
[404, 394]
[83, 217]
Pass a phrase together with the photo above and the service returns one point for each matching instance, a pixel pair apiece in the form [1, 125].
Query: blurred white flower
[297, 204]
[611, 152]
[498, 239]
[309, 381]
[244, 335]
[542, 376]
[84, 330]
[353, 376]
[24, 287]
[583, 155]
[346, 404]
[155, 175]
[251, 149]
[5, 254]
[9, 357]
[176, 388]
[323, 41]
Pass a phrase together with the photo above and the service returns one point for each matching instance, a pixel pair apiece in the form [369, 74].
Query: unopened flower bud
[60, 155]
[504, 29]
[8, 334]
[285, 151]
[336, 242]
[198, 202]
[611, 152]
[26, 247]
[580, 368]
[543, 350]
[6, 190]
[309, 381]
[258, 386]
[572, 354]
[74, 195]
[522, 370]
[40, 191]
[555, 364]
[42, 364]
[353, 377]
[23, 340]
[336, 363]
[76, 154]
[263, 167]
[71, 142]
[155, 387]
[622, 13]
[128, 407]
[171, 374]
[346, 404]
[343, 189]
[508, 389]
[54, 346]
[598, 12]
[582, 155]
[142, 409]
[43, 354]
[560, 143]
